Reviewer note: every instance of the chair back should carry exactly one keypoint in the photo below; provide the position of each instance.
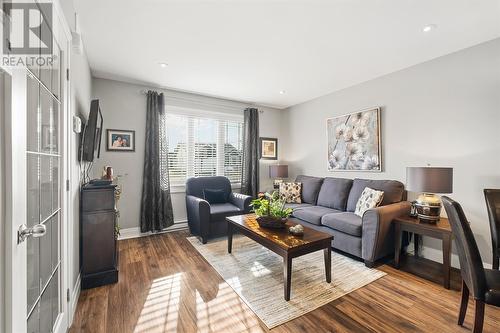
(493, 205)
(471, 265)
(196, 185)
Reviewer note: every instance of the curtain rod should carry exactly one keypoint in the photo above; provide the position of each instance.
(184, 99)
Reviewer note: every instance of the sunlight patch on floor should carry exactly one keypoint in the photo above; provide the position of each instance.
(226, 312)
(161, 308)
(258, 270)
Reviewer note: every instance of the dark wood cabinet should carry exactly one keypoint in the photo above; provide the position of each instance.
(98, 245)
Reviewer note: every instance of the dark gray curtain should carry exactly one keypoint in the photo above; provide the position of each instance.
(156, 204)
(250, 173)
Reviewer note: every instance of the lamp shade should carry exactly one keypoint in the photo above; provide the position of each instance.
(278, 171)
(429, 179)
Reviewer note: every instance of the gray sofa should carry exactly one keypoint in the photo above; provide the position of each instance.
(209, 220)
(328, 205)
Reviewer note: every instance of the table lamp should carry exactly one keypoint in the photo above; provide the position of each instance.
(278, 172)
(429, 181)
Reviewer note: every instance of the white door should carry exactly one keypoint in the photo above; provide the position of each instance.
(35, 279)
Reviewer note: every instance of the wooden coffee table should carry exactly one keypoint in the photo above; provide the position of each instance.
(282, 243)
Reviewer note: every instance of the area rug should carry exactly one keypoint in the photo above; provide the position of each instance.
(256, 275)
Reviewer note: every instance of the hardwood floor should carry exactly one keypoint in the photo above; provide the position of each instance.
(165, 285)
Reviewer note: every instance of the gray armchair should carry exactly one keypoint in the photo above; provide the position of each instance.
(208, 220)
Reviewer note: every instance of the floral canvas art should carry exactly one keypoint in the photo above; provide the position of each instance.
(354, 141)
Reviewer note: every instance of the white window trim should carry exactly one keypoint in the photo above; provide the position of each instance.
(182, 188)
(207, 114)
(230, 116)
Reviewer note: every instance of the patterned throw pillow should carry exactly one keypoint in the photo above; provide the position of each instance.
(370, 198)
(290, 192)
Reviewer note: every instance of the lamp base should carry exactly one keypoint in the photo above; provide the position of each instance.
(428, 208)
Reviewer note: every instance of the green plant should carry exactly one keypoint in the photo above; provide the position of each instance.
(271, 205)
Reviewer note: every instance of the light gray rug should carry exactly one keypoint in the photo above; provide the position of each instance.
(256, 275)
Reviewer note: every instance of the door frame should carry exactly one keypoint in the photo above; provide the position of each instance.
(5, 92)
(63, 33)
(15, 282)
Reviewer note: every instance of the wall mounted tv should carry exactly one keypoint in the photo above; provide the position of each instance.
(91, 144)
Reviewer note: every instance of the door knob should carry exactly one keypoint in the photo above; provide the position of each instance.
(36, 231)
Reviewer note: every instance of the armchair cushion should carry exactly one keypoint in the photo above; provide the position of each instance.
(220, 211)
(196, 185)
(215, 196)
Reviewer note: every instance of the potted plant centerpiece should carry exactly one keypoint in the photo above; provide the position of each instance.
(271, 211)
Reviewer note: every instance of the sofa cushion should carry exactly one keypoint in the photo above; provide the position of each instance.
(393, 191)
(369, 199)
(220, 211)
(313, 214)
(290, 192)
(297, 205)
(310, 188)
(334, 193)
(346, 222)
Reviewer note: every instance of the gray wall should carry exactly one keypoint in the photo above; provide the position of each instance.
(445, 112)
(124, 107)
(80, 85)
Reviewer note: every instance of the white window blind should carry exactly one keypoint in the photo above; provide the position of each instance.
(204, 146)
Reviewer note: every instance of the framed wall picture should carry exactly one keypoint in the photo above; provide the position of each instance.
(120, 140)
(268, 148)
(354, 141)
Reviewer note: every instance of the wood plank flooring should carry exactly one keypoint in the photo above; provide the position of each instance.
(165, 285)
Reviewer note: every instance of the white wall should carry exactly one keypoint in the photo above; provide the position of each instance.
(124, 107)
(445, 112)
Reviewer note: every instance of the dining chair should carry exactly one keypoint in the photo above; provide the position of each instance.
(483, 284)
(492, 197)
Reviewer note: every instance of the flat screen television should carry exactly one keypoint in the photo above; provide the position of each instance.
(91, 143)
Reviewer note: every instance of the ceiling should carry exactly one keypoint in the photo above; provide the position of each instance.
(251, 50)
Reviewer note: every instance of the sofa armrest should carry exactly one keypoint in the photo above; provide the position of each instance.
(378, 232)
(241, 201)
(198, 212)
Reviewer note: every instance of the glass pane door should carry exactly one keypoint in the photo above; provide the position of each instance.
(43, 204)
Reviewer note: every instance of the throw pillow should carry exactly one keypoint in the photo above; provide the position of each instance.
(215, 196)
(290, 192)
(370, 198)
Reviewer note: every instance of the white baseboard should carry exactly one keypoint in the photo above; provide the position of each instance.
(136, 232)
(75, 294)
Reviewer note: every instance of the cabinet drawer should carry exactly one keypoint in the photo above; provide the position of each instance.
(96, 200)
(98, 242)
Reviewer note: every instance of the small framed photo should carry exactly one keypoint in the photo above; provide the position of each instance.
(268, 148)
(120, 140)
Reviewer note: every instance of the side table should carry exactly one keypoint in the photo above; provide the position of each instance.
(440, 230)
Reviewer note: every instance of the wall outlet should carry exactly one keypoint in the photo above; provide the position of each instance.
(77, 124)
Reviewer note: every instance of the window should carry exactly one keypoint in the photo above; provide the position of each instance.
(204, 146)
